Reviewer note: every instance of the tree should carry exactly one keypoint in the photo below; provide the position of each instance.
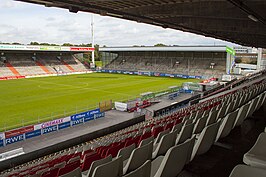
(34, 43)
(160, 45)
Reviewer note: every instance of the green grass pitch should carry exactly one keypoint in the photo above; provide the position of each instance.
(28, 101)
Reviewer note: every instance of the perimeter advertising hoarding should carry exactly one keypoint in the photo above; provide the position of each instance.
(49, 129)
(19, 131)
(51, 123)
(44, 48)
(149, 73)
(14, 139)
(33, 134)
(1, 143)
(84, 114)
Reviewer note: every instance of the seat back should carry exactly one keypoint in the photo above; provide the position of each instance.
(173, 161)
(206, 139)
(75, 173)
(109, 169)
(88, 161)
(213, 116)
(185, 133)
(242, 113)
(126, 151)
(146, 141)
(227, 124)
(165, 143)
(143, 171)
(177, 127)
(190, 150)
(98, 163)
(199, 125)
(52, 172)
(138, 157)
(160, 135)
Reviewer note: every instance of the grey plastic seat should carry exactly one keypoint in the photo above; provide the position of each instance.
(172, 163)
(185, 133)
(247, 171)
(229, 108)
(256, 156)
(227, 125)
(205, 140)
(177, 127)
(74, 173)
(146, 141)
(139, 156)
(165, 143)
(221, 112)
(109, 169)
(95, 164)
(213, 116)
(190, 149)
(252, 106)
(242, 113)
(160, 135)
(126, 151)
(143, 171)
(199, 125)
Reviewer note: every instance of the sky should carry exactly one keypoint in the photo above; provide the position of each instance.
(23, 23)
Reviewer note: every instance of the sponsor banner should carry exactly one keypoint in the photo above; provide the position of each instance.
(77, 121)
(2, 136)
(14, 139)
(105, 105)
(51, 123)
(81, 49)
(19, 131)
(33, 134)
(84, 114)
(1, 143)
(120, 106)
(49, 129)
(86, 119)
(63, 125)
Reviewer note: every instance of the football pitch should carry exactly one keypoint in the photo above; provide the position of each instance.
(29, 101)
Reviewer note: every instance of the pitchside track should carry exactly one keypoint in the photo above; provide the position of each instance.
(28, 101)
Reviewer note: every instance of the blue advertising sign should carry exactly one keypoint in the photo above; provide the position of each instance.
(86, 119)
(85, 114)
(77, 121)
(33, 133)
(49, 129)
(14, 139)
(63, 125)
(1, 143)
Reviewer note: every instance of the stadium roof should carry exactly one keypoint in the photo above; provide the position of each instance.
(168, 49)
(239, 21)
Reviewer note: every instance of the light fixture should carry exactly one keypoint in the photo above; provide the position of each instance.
(251, 17)
(114, 15)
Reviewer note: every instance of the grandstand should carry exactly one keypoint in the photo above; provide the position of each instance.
(205, 61)
(35, 60)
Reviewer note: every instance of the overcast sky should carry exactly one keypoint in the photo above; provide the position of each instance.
(23, 23)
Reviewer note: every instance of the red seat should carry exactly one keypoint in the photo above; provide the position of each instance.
(53, 172)
(88, 161)
(69, 167)
(156, 131)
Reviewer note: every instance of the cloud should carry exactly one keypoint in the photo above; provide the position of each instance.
(27, 22)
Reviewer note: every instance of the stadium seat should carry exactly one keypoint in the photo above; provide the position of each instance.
(213, 116)
(185, 133)
(256, 156)
(205, 139)
(109, 169)
(88, 161)
(138, 157)
(143, 171)
(125, 152)
(227, 124)
(247, 171)
(69, 167)
(52, 172)
(74, 173)
(172, 163)
(242, 113)
(165, 143)
(177, 127)
(160, 135)
(199, 125)
(146, 141)
(95, 164)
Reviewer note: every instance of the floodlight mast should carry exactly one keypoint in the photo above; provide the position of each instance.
(92, 35)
